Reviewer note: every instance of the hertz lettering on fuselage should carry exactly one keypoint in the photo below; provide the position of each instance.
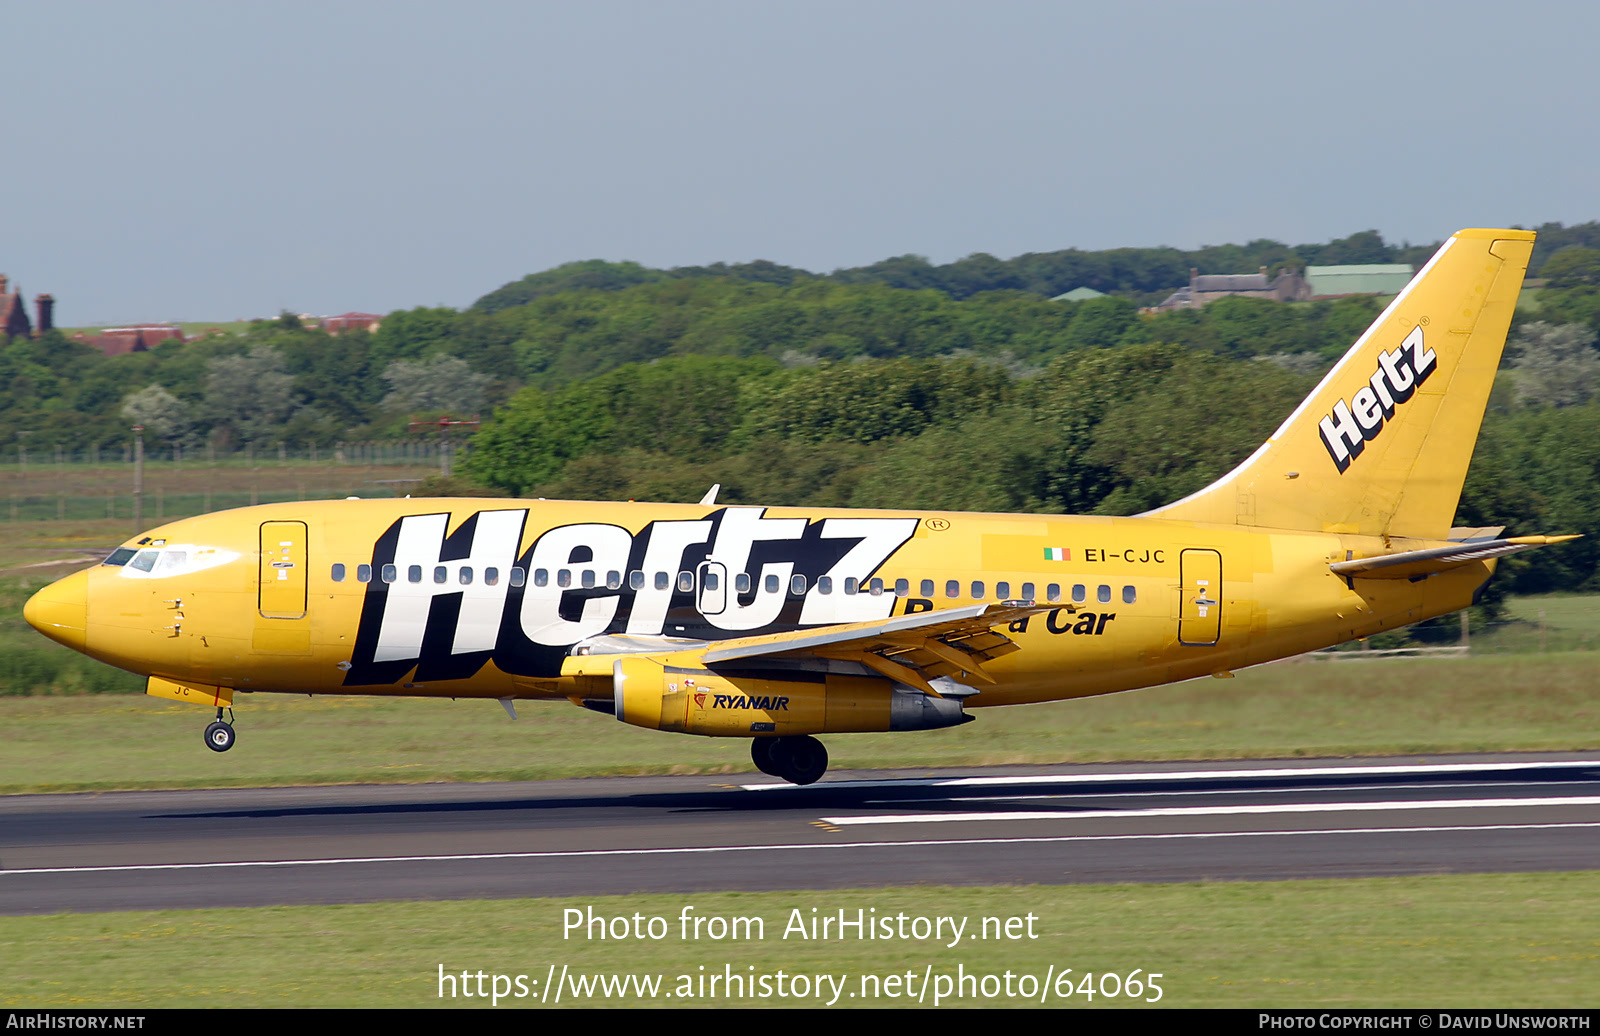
(420, 609)
(1348, 428)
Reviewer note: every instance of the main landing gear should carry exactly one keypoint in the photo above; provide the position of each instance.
(219, 735)
(798, 760)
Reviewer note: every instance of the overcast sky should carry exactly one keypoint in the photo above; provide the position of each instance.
(200, 161)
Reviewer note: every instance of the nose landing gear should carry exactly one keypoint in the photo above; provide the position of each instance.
(219, 735)
(798, 760)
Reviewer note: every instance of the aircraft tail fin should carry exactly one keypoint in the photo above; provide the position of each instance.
(1381, 445)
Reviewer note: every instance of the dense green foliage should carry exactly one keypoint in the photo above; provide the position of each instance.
(901, 384)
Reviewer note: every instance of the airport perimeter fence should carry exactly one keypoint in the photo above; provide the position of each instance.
(56, 484)
(24, 457)
(1531, 634)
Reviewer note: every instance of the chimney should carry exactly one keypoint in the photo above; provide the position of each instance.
(47, 310)
(4, 280)
(1194, 271)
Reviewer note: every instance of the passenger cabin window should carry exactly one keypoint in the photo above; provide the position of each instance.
(1053, 592)
(338, 573)
(875, 587)
(491, 577)
(663, 581)
(1103, 594)
(389, 574)
(1003, 591)
(772, 584)
(686, 582)
(588, 579)
(414, 574)
(564, 577)
(440, 574)
(518, 576)
(1080, 593)
(977, 589)
(465, 575)
(636, 580)
(741, 583)
(797, 585)
(927, 588)
(1029, 592)
(851, 584)
(541, 577)
(824, 584)
(1129, 595)
(902, 588)
(363, 573)
(952, 588)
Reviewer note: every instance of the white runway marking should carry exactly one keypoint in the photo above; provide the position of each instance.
(1209, 811)
(789, 847)
(1182, 775)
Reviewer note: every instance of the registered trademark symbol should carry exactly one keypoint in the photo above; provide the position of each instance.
(937, 524)
(1423, 321)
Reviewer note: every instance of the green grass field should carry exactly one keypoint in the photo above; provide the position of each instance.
(1306, 709)
(1457, 941)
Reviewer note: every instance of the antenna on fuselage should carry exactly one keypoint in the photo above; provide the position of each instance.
(711, 495)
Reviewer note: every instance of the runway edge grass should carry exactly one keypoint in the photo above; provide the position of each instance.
(1290, 710)
(1458, 941)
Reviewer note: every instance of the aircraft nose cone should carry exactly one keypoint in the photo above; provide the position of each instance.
(61, 610)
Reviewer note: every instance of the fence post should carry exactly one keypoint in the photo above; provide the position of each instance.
(138, 476)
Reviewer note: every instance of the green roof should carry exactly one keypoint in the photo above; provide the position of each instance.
(1365, 279)
(1078, 295)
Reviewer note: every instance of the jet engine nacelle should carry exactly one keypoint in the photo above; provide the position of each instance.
(653, 694)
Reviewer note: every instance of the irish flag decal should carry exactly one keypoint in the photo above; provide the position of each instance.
(1057, 554)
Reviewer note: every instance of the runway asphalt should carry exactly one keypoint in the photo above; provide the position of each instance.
(1052, 825)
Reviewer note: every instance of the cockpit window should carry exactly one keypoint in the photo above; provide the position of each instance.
(178, 560)
(171, 560)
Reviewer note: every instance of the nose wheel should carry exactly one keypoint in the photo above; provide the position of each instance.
(219, 735)
(798, 760)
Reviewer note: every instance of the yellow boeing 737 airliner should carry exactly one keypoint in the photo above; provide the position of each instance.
(776, 624)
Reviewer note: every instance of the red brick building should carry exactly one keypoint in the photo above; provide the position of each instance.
(351, 322)
(119, 341)
(14, 322)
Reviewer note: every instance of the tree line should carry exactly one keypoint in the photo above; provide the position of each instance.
(617, 381)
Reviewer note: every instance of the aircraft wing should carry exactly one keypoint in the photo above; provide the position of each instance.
(1410, 563)
(913, 649)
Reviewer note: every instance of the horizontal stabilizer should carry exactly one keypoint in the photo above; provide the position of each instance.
(1408, 564)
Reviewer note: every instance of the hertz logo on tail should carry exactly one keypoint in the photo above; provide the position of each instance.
(1351, 425)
